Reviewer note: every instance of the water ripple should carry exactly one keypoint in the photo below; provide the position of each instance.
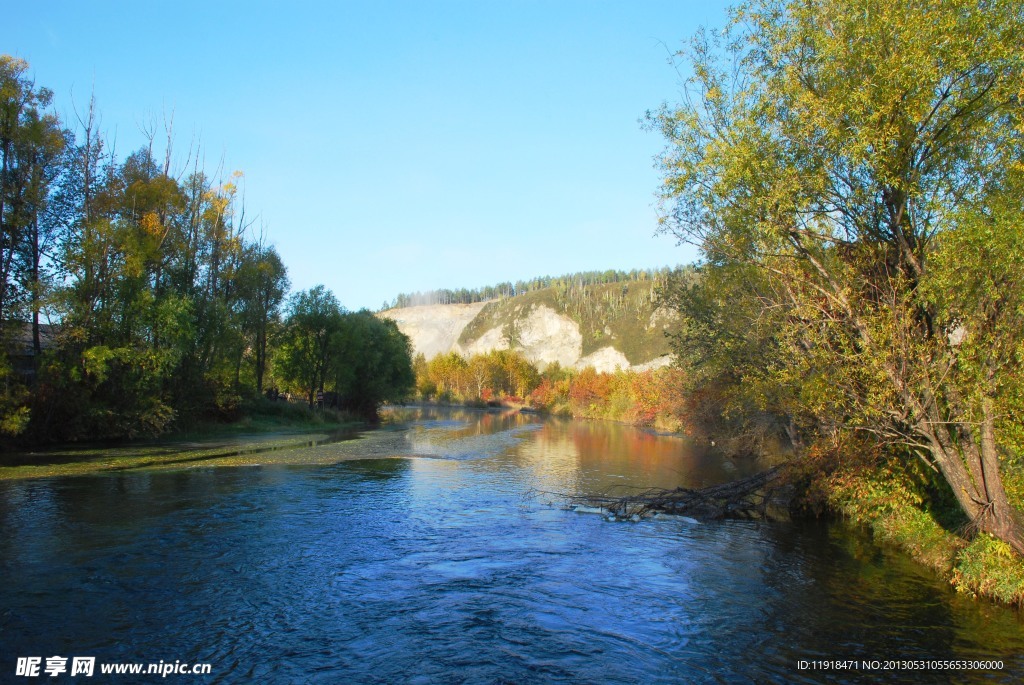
(442, 571)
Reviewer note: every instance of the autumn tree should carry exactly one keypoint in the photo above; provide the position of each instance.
(157, 292)
(860, 164)
(447, 374)
(737, 354)
(481, 374)
(21, 120)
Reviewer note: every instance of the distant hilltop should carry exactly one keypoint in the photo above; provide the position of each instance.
(606, 320)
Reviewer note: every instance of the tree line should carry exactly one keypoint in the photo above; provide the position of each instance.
(134, 296)
(566, 284)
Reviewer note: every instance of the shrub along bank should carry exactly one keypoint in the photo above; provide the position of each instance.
(903, 504)
(651, 398)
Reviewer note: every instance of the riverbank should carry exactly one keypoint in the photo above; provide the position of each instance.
(264, 427)
(265, 416)
(921, 522)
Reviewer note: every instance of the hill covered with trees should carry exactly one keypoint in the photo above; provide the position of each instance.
(605, 319)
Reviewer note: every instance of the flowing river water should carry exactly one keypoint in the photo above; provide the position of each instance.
(432, 550)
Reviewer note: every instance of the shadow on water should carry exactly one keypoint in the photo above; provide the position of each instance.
(56, 461)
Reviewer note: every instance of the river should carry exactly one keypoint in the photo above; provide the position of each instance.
(436, 550)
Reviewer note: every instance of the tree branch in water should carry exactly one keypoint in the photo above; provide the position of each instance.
(745, 498)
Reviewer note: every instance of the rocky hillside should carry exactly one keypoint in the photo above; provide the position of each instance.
(606, 326)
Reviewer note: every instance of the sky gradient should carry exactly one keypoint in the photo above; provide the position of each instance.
(392, 147)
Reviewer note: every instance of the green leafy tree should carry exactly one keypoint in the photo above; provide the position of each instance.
(262, 282)
(120, 338)
(158, 293)
(372, 363)
(737, 355)
(308, 340)
(20, 143)
(850, 156)
(32, 144)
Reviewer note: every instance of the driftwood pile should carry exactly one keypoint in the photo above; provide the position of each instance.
(745, 498)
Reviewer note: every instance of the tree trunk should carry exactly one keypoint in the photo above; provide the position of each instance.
(998, 517)
(980, 494)
(37, 345)
(261, 351)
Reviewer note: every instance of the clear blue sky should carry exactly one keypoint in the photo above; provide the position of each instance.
(395, 146)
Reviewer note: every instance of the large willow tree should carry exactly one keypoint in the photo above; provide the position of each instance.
(861, 162)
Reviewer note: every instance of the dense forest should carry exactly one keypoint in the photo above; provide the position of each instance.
(136, 297)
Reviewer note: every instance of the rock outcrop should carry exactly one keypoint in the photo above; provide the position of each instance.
(435, 328)
(543, 335)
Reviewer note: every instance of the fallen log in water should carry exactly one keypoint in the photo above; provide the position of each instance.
(745, 498)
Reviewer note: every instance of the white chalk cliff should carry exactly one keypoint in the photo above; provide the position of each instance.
(542, 335)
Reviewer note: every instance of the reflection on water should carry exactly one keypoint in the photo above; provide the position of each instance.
(441, 567)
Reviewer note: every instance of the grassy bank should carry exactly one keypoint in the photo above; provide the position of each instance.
(262, 427)
(902, 505)
(264, 416)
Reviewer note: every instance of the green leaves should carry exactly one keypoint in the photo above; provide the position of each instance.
(851, 172)
(365, 360)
